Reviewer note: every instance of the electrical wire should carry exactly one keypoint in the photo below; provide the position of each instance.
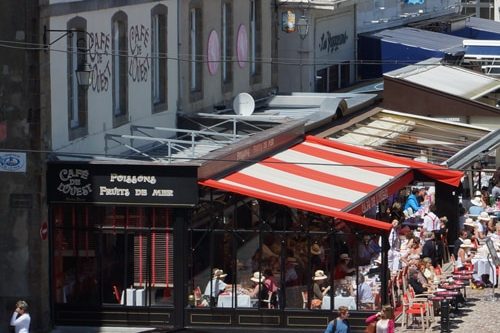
(203, 58)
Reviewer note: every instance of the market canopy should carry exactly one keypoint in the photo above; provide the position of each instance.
(330, 178)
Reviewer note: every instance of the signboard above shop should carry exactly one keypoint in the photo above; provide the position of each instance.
(158, 185)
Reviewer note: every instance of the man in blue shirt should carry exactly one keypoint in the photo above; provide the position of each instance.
(340, 324)
(413, 201)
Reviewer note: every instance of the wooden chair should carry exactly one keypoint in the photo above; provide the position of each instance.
(423, 299)
(304, 299)
(268, 300)
(411, 310)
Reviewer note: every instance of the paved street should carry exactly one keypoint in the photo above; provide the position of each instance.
(481, 315)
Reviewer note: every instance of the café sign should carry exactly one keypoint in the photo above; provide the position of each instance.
(122, 184)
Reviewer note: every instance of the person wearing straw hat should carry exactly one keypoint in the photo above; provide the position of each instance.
(481, 224)
(215, 286)
(259, 289)
(477, 204)
(464, 255)
(320, 287)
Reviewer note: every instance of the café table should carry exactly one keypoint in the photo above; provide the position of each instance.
(226, 300)
(348, 301)
(484, 266)
(444, 310)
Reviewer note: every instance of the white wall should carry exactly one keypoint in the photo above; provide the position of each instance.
(100, 119)
(297, 56)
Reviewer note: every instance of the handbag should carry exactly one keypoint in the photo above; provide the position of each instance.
(371, 327)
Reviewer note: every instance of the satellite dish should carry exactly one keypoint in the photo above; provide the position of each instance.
(243, 104)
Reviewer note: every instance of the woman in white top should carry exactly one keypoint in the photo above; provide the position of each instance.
(20, 318)
(463, 255)
(384, 320)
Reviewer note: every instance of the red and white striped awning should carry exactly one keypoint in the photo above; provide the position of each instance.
(325, 177)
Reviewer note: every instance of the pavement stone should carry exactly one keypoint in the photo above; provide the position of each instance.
(480, 315)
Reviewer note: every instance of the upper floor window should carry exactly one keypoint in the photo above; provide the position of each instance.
(120, 61)
(77, 95)
(255, 39)
(159, 72)
(227, 44)
(195, 51)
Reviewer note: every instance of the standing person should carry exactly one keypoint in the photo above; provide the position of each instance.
(394, 254)
(20, 318)
(341, 323)
(431, 221)
(463, 235)
(384, 320)
(430, 249)
(215, 286)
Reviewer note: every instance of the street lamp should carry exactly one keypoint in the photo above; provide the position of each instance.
(302, 26)
(83, 70)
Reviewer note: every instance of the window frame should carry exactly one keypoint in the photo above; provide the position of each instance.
(119, 41)
(159, 59)
(195, 51)
(227, 46)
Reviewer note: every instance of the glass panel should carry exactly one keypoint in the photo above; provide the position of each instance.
(295, 279)
(75, 273)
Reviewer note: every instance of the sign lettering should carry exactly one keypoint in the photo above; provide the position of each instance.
(331, 43)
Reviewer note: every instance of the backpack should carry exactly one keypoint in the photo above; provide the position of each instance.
(334, 328)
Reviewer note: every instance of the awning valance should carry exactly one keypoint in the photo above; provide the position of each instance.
(324, 177)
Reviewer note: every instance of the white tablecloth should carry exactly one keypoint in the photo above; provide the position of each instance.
(348, 301)
(226, 301)
(483, 266)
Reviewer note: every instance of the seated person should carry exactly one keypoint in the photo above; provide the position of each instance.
(272, 285)
(429, 271)
(320, 285)
(343, 268)
(215, 286)
(364, 293)
(477, 204)
(414, 282)
(344, 288)
(259, 289)
(413, 201)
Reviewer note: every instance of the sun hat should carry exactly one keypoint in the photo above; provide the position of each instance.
(469, 222)
(319, 275)
(315, 249)
(483, 216)
(476, 201)
(344, 256)
(258, 277)
(219, 273)
(466, 243)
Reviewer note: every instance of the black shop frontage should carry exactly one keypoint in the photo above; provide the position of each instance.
(138, 244)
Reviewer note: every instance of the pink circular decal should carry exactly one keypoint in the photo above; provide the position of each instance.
(242, 46)
(213, 52)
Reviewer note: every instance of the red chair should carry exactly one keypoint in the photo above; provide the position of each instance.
(412, 310)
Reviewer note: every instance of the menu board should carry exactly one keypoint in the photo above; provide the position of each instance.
(493, 252)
